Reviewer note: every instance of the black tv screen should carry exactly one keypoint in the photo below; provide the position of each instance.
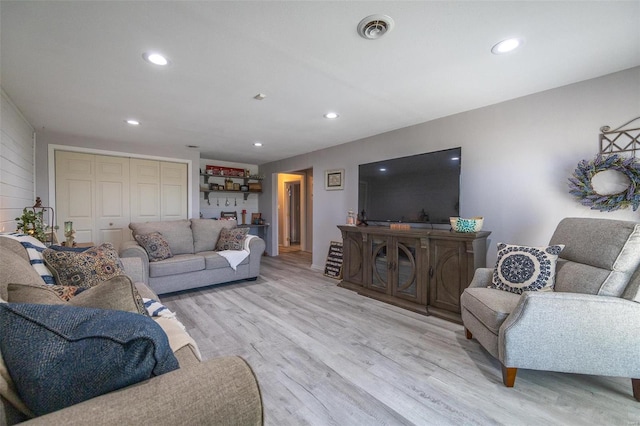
(423, 188)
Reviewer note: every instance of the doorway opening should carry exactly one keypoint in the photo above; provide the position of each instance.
(295, 212)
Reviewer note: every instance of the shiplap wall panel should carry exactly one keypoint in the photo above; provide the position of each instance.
(17, 169)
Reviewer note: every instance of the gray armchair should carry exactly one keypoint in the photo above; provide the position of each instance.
(590, 324)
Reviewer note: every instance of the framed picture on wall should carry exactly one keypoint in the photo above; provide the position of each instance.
(334, 179)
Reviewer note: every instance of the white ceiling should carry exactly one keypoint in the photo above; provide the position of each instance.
(76, 67)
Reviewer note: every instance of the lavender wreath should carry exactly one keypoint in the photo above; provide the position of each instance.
(580, 184)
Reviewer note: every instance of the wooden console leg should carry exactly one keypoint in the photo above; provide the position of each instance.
(635, 384)
(467, 333)
(509, 376)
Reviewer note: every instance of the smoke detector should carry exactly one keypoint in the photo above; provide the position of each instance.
(375, 26)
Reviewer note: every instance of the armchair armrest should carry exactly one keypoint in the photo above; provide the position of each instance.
(219, 391)
(573, 333)
(482, 277)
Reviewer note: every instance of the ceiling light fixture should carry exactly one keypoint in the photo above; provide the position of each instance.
(132, 122)
(331, 115)
(375, 26)
(506, 46)
(257, 144)
(155, 58)
(259, 96)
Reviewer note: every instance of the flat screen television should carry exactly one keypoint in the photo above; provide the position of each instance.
(418, 189)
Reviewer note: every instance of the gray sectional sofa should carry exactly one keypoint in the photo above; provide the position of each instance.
(195, 262)
(216, 391)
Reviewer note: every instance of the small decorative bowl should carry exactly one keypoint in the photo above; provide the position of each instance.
(473, 224)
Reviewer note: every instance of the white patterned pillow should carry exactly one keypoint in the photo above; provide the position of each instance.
(522, 268)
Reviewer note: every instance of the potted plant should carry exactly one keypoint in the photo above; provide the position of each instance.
(32, 223)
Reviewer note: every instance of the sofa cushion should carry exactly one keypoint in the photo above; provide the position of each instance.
(232, 239)
(155, 245)
(522, 268)
(177, 233)
(33, 249)
(74, 354)
(14, 269)
(213, 260)
(179, 264)
(574, 277)
(118, 293)
(84, 269)
(490, 306)
(612, 246)
(207, 231)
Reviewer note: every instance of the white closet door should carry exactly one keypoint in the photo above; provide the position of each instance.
(102, 194)
(173, 191)
(112, 215)
(75, 189)
(145, 190)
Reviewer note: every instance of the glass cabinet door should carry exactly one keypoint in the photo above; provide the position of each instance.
(380, 264)
(405, 270)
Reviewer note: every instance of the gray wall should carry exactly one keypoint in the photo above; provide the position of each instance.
(516, 159)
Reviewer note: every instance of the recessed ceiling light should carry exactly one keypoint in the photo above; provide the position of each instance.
(155, 58)
(257, 144)
(331, 115)
(382, 169)
(505, 46)
(455, 158)
(132, 122)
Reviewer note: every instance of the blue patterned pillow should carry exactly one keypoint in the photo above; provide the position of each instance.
(60, 355)
(522, 268)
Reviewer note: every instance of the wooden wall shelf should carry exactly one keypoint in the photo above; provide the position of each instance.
(246, 180)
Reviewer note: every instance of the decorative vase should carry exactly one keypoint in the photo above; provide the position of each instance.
(69, 233)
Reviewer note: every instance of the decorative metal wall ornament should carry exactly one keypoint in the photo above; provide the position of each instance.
(581, 185)
(620, 140)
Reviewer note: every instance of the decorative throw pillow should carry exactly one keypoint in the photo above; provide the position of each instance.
(119, 293)
(231, 239)
(522, 268)
(74, 354)
(155, 245)
(85, 269)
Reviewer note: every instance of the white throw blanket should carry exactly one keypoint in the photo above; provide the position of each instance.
(234, 257)
(175, 330)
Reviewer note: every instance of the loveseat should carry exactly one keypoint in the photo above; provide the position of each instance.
(217, 391)
(194, 261)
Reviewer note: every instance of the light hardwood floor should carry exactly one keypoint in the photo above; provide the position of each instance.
(324, 355)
